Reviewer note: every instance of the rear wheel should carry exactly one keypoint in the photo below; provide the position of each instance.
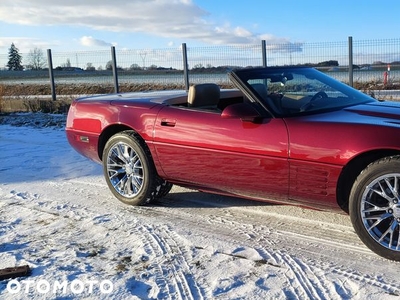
(129, 170)
(375, 207)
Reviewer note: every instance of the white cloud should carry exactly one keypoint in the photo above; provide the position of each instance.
(89, 41)
(174, 19)
(239, 31)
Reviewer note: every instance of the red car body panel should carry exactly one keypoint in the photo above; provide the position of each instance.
(330, 142)
(296, 159)
(239, 151)
(89, 117)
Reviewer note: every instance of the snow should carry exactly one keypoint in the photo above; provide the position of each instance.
(58, 217)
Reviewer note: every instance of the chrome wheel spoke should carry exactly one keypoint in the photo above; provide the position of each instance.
(392, 188)
(382, 192)
(115, 170)
(374, 208)
(128, 186)
(119, 185)
(390, 232)
(119, 151)
(136, 182)
(378, 219)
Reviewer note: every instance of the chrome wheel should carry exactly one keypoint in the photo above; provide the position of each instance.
(124, 170)
(380, 210)
(129, 169)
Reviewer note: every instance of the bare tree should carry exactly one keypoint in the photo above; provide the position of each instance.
(90, 67)
(67, 64)
(135, 67)
(36, 59)
(109, 65)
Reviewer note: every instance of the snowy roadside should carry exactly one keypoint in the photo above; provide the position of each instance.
(58, 217)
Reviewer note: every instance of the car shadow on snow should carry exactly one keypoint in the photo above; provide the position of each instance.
(191, 199)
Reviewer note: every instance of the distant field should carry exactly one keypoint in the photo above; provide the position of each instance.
(37, 97)
(80, 88)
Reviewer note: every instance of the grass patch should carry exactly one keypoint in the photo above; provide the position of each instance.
(1, 97)
(31, 104)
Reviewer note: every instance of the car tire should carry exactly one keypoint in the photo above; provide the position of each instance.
(374, 207)
(129, 169)
(163, 188)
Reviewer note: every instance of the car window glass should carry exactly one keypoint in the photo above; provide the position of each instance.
(301, 90)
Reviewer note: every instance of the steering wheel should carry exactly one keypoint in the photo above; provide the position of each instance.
(309, 104)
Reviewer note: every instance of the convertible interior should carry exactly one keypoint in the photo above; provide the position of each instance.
(285, 94)
(209, 97)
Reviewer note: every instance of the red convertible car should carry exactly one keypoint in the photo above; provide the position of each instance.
(287, 135)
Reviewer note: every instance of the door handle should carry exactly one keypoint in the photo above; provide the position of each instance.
(168, 122)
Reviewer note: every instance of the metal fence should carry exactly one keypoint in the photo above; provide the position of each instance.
(350, 61)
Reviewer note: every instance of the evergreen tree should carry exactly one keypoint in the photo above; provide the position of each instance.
(14, 59)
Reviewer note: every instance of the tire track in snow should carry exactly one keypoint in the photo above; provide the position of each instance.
(267, 240)
(392, 289)
(305, 284)
(167, 253)
(267, 235)
(163, 242)
(231, 225)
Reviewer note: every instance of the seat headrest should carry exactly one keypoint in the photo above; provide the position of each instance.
(205, 94)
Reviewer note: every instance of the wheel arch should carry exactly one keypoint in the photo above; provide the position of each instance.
(351, 171)
(109, 132)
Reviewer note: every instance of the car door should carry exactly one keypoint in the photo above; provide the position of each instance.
(200, 148)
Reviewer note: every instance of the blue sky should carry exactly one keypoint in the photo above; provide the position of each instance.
(85, 25)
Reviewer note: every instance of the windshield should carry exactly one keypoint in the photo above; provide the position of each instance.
(292, 91)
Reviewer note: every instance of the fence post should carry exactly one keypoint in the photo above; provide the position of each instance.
(114, 68)
(185, 66)
(350, 61)
(264, 53)
(51, 75)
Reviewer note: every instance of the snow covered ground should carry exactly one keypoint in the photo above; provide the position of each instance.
(58, 217)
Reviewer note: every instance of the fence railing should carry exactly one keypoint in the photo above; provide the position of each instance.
(368, 61)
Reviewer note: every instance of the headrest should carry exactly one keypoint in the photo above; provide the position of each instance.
(205, 94)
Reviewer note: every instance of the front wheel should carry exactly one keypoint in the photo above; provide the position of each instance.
(129, 169)
(375, 207)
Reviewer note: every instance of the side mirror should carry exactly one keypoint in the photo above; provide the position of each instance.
(242, 111)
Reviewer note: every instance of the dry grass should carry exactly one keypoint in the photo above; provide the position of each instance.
(1, 98)
(36, 97)
(12, 90)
